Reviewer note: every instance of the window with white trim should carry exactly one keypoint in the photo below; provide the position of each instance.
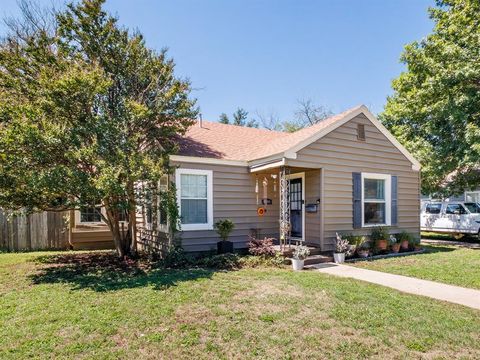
(376, 199)
(195, 197)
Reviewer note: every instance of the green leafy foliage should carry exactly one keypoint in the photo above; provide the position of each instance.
(224, 228)
(87, 112)
(240, 118)
(379, 233)
(434, 108)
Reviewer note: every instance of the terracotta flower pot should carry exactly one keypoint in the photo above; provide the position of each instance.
(381, 244)
(396, 248)
(404, 245)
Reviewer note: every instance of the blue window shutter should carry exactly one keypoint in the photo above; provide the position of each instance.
(394, 200)
(357, 200)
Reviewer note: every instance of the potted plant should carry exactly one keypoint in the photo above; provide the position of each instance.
(224, 228)
(298, 257)
(394, 244)
(354, 241)
(363, 250)
(341, 247)
(404, 238)
(379, 237)
(415, 243)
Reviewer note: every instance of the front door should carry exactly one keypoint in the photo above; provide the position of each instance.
(296, 207)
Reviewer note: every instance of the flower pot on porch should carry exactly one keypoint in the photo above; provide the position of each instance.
(224, 247)
(395, 248)
(339, 258)
(381, 245)
(298, 264)
(404, 245)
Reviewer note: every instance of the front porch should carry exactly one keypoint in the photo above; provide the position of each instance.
(293, 195)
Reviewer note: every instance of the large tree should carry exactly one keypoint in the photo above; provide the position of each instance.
(87, 113)
(435, 108)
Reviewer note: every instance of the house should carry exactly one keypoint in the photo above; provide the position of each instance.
(345, 174)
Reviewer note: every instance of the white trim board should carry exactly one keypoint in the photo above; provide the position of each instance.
(300, 175)
(202, 160)
(388, 197)
(209, 173)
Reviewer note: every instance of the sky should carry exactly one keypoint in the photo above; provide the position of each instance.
(265, 55)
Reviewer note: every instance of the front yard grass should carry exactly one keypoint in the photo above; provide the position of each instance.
(69, 305)
(443, 263)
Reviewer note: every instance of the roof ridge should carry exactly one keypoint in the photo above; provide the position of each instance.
(241, 126)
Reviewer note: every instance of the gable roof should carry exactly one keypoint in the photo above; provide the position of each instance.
(237, 143)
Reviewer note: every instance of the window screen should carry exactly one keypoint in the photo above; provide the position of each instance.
(194, 201)
(374, 201)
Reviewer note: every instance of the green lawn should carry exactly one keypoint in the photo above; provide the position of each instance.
(448, 264)
(65, 306)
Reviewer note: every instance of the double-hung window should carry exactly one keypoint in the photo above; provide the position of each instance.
(195, 197)
(376, 199)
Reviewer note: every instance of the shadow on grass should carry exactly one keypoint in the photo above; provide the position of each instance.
(104, 272)
(430, 249)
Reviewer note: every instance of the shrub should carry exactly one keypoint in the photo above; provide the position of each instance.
(301, 252)
(177, 258)
(261, 247)
(224, 228)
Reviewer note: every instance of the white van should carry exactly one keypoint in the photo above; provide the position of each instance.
(455, 217)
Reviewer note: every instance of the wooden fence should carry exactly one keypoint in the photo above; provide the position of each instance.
(40, 231)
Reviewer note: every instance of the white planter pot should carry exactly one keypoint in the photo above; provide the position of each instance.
(339, 257)
(298, 264)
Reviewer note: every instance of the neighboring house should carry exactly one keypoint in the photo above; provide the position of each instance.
(344, 174)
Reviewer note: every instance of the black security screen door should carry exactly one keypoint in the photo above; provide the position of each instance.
(296, 207)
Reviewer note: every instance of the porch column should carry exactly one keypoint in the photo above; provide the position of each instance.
(284, 206)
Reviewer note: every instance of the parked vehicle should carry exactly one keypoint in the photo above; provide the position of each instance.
(456, 217)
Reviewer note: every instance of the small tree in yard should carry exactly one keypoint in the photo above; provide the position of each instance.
(87, 113)
(224, 228)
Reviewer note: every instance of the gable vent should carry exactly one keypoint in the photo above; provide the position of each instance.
(361, 132)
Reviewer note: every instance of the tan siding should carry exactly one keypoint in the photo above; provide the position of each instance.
(339, 154)
(89, 239)
(234, 198)
(312, 194)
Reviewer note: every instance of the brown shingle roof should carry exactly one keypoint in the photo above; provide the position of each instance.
(230, 142)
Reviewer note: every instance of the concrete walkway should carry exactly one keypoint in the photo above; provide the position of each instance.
(434, 290)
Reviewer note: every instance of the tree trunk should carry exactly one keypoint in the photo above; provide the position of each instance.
(121, 239)
(132, 219)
